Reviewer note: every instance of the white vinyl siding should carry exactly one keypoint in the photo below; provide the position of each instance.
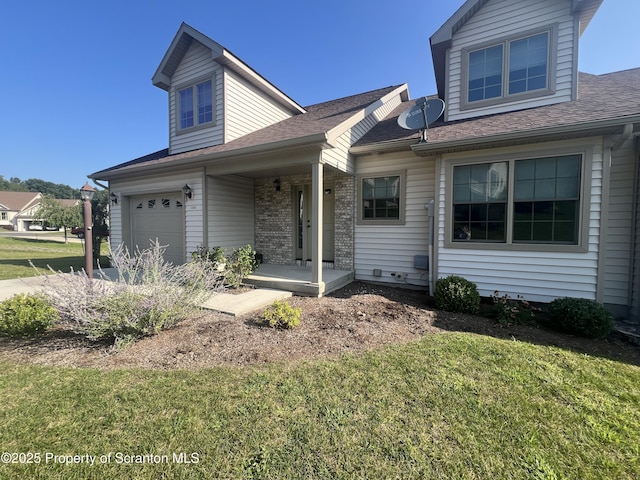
(230, 212)
(391, 248)
(339, 156)
(540, 273)
(635, 296)
(501, 19)
(196, 66)
(617, 274)
(120, 226)
(247, 109)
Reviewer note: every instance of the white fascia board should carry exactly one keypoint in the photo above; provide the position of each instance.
(590, 128)
(335, 132)
(162, 80)
(253, 77)
(318, 141)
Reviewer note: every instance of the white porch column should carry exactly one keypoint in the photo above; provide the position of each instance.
(317, 191)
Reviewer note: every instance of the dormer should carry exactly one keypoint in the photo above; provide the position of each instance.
(214, 97)
(495, 56)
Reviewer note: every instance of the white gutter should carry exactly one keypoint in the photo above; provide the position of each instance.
(428, 148)
(192, 159)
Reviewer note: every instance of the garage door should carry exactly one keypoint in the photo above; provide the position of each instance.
(161, 216)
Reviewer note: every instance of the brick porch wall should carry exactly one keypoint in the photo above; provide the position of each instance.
(274, 234)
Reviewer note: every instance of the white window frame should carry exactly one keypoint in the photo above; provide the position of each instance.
(505, 97)
(193, 87)
(402, 200)
(582, 244)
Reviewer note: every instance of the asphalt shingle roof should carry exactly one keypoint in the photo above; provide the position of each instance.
(318, 119)
(600, 97)
(16, 200)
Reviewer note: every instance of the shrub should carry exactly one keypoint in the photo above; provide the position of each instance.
(456, 294)
(235, 267)
(149, 295)
(282, 315)
(508, 310)
(580, 316)
(26, 315)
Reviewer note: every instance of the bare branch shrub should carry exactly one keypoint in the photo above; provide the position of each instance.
(149, 295)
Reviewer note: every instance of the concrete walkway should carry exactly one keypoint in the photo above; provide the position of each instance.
(242, 303)
(231, 304)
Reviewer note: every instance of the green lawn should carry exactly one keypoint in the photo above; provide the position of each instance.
(15, 253)
(452, 406)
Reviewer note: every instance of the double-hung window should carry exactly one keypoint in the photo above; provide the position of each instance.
(381, 199)
(195, 105)
(514, 66)
(524, 201)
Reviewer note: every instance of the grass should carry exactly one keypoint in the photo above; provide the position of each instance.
(15, 253)
(452, 405)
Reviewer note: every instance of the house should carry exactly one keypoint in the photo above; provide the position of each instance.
(527, 185)
(17, 209)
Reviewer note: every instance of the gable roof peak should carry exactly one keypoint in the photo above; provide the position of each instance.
(440, 41)
(181, 43)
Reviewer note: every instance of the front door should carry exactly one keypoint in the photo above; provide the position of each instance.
(302, 215)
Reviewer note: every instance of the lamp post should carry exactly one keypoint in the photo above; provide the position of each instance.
(86, 193)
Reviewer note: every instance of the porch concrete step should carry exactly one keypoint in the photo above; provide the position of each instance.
(244, 302)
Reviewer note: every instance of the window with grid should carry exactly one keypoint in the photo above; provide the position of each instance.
(381, 198)
(480, 202)
(518, 201)
(546, 200)
(195, 105)
(524, 62)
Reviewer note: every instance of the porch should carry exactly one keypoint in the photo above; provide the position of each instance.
(297, 279)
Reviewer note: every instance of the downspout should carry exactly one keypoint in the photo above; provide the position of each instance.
(97, 183)
(608, 151)
(624, 137)
(431, 214)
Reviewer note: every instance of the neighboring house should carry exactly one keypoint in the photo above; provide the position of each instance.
(17, 209)
(528, 185)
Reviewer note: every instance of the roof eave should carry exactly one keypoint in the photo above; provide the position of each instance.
(384, 147)
(599, 127)
(318, 141)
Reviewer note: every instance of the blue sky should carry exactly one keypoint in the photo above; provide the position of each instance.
(75, 76)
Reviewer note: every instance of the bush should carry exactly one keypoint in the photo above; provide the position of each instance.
(149, 295)
(26, 315)
(235, 267)
(282, 315)
(456, 294)
(580, 316)
(508, 311)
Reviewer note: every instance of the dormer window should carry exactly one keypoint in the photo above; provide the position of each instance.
(510, 69)
(195, 105)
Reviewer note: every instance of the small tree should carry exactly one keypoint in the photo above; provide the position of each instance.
(54, 213)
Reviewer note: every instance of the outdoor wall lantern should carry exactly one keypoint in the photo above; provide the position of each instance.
(276, 183)
(114, 198)
(187, 191)
(86, 194)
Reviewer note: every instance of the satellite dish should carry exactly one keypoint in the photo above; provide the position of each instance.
(421, 115)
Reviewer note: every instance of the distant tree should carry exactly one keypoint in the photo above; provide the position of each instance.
(56, 190)
(53, 213)
(11, 185)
